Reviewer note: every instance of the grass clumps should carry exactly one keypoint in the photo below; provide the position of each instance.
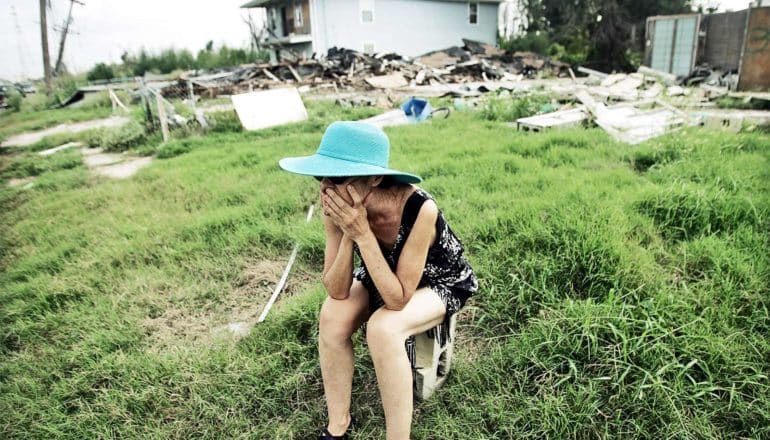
(27, 165)
(624, 290)
(682, 211)
(510, 108)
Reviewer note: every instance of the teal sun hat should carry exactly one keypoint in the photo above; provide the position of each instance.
(349, 148)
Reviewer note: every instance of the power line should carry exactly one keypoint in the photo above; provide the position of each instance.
(19, 42)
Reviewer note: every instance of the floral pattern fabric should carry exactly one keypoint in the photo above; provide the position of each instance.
(447, 271)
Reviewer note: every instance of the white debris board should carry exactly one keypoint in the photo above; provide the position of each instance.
(269, 108)
(558, 119)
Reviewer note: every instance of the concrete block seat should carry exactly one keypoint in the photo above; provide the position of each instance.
(432, 362)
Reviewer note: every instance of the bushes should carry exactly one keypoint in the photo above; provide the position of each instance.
(124, 137)
(100, 72)
(226, 121)
(169, 60)
(503, 108)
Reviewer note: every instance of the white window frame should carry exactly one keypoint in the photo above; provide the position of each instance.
(298, 19)
(363, 6)
(472, 14)
(273, 19)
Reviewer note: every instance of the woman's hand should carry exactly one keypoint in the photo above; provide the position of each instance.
(352, 219)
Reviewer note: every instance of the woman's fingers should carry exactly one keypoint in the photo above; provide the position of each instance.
(354, 195)
(335, 211)
(336, 199)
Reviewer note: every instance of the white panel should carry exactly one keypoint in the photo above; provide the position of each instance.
(269, 108)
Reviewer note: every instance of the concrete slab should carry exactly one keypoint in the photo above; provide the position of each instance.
(24, 139)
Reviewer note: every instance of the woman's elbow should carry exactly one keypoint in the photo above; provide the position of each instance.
(400, 303)
(335, 290)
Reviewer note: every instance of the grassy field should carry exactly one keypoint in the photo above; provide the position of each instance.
(624, 290)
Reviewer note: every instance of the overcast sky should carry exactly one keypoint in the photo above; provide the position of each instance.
(107, 28)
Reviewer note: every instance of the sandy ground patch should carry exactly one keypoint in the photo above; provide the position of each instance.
(230, 319)
(25, 183)
(113, 165)
(124, 169)
(24, 139)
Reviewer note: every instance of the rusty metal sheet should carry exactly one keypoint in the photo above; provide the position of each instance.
(755, 65)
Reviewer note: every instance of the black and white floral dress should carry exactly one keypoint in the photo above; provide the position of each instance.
(446, 272)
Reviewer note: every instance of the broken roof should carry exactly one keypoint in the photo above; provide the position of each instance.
(260, 3)
(266, 3)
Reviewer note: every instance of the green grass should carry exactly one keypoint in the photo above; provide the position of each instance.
(624, 290)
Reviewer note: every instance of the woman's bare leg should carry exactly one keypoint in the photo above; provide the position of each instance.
(338, 321)
(386, 333)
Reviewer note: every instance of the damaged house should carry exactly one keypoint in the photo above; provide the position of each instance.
(407, 27)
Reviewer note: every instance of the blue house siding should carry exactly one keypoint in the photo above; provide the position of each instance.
(407, 27)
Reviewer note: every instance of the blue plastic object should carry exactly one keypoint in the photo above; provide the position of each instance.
(416, 109)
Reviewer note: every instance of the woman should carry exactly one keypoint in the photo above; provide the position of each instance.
(413, 274)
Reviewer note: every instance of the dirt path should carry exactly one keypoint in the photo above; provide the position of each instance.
(24, 139)
(116, 166)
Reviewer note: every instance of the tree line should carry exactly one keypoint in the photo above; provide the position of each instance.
(168, 60)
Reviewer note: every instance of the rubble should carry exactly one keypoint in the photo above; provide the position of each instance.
(639, 106)
(345, 68)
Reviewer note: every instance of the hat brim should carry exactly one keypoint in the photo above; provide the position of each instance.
(325, 166)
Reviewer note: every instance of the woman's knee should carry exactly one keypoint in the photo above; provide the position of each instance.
(339, 319)
(384, 328)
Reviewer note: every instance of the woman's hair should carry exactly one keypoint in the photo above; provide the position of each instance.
(388, 182)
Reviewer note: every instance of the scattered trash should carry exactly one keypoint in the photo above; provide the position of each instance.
(558, 119)
(285, 274)
(411, 112)
(268, 108)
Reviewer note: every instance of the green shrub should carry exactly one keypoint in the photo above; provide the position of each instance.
(14, 101)
(174, 148)
(511, 108)
(124, 137)
(226, 121)
(100, 71)
(537, 42)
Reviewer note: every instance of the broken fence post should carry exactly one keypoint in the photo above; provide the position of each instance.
(162, 116)
(285, 274)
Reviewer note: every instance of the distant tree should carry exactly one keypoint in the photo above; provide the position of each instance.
(601, 29)
(100, 72)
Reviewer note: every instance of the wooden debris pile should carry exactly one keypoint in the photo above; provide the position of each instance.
(346, 68)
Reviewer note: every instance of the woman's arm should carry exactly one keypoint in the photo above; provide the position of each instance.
(338, 261)
(397, 288)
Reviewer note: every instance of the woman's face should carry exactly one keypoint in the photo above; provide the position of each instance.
(361, 184)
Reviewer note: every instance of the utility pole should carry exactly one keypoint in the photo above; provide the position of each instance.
(46, 58)
(65, 30)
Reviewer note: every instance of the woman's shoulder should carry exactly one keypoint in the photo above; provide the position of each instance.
(422, 193)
